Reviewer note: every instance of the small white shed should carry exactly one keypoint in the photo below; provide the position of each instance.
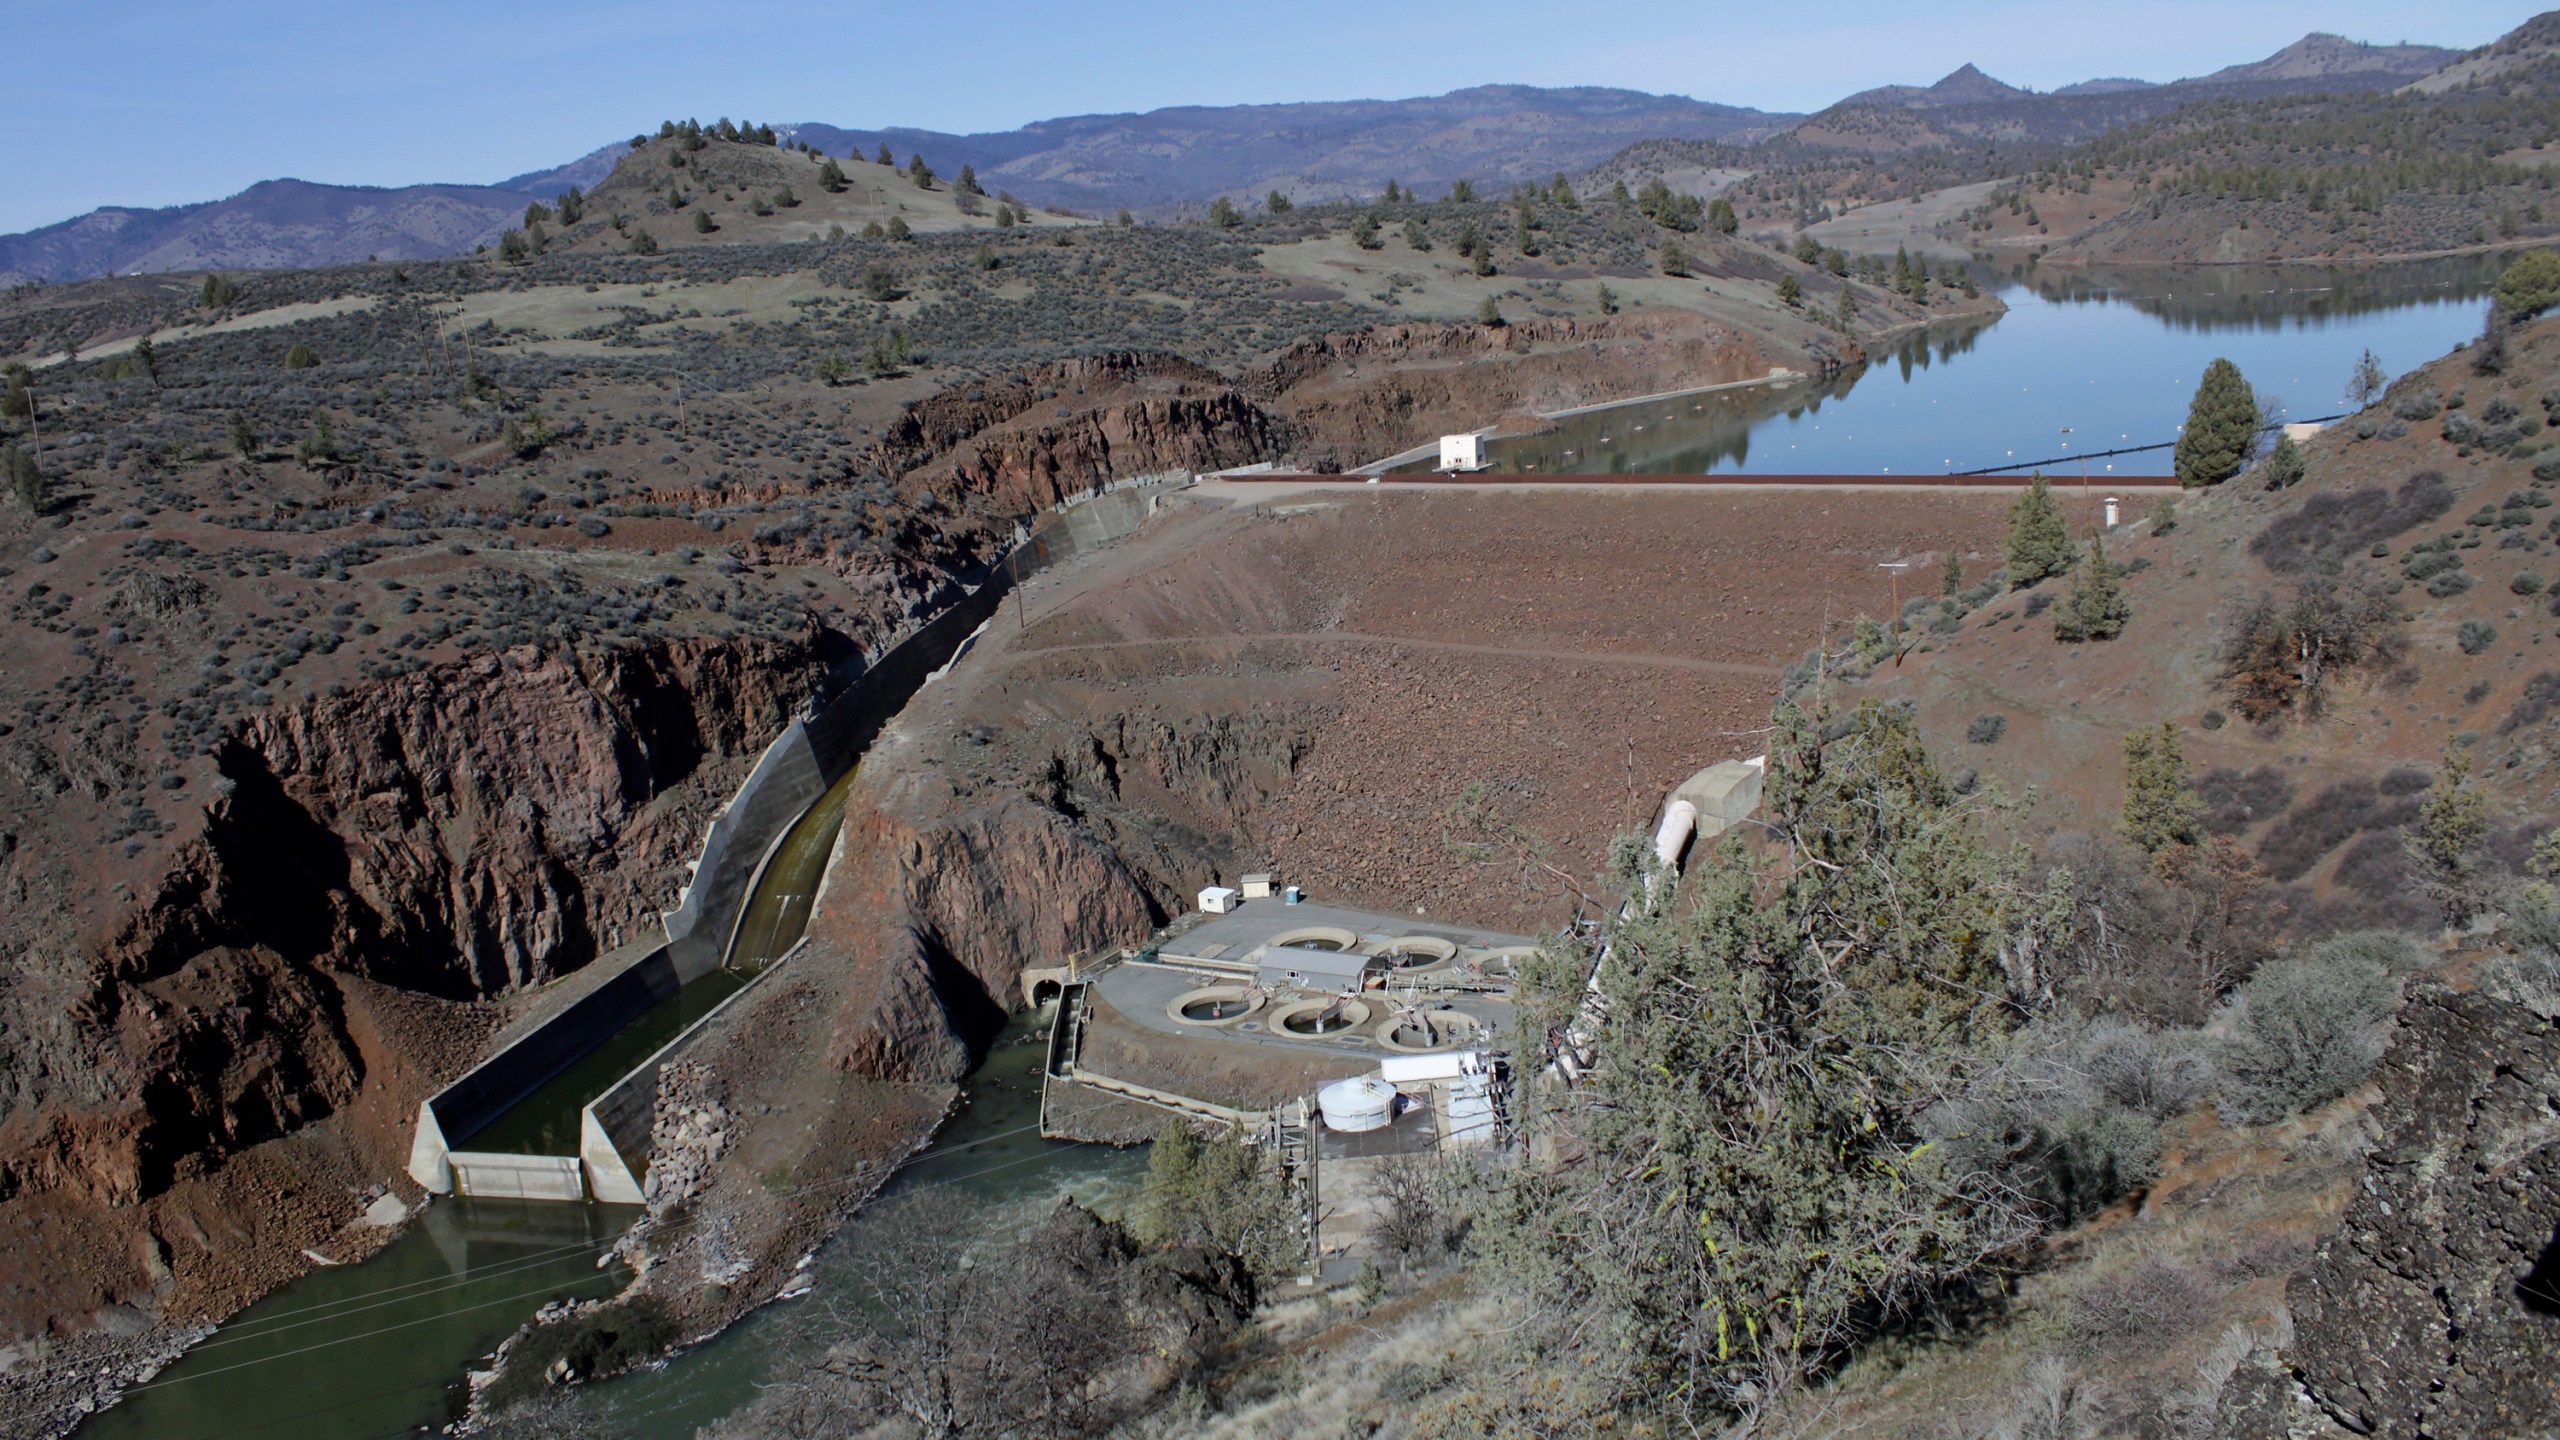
(1261, 885)
(1461, 452)
(1219, 899)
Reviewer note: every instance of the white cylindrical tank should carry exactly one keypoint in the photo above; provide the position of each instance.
(1679, 822)
(1363, 1102)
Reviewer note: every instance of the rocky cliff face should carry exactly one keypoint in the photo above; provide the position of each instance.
(458, 832)
(2435, 1308)
(940, 899)
(1033, 439)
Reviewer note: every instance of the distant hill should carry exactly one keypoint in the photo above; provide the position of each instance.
(1492, 134)
(1971, 108)
(289, 224)
(1967, 86)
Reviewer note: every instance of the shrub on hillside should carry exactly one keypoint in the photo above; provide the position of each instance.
(1987, 729)
(2329, 525)
(2340, 812)
(2308, 1029)
(2475, 636)
(2236, 799)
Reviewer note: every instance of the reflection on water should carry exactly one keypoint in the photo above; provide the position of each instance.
(2083, 361)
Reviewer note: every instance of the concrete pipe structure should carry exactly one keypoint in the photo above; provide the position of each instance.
(1418, 953)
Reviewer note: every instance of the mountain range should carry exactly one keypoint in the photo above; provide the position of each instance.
(1164, 161)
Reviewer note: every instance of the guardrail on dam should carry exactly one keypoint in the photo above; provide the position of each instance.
(794, 771)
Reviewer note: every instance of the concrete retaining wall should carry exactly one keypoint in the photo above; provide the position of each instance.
(792, 773)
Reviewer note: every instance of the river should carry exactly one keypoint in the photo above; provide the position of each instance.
(379, 1348)
(2082, 361)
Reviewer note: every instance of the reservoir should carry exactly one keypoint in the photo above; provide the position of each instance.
(2081, 362)
(380, 1348)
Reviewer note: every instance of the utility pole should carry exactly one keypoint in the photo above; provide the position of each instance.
(1894, 569)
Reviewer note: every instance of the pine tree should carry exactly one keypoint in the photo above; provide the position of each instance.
(1950, 574)
(884, 157)
(218, 293)
(1279, 204)
(2283, 467)
(2039, 543)
(898, 228)
(1462, 192)
(920, 172)
(1223, 214)
(26, 483)
(2161, 806)
(2095, 607)
(1608, 301)
(2222, 427)
(1489, 313)
(2452, 824)
(243, 436)
(702, 222)
(831, 178)
(300, 357)
(1721, 217)
(1392, 195)
(1675, 261)
(1415, 237)
(2368, 381)
(968, 181)
(147, 355)
(1790, 293)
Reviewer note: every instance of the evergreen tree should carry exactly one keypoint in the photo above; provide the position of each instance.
(2283, 468)
(2161, 806)
(702, 222)
(1392, 195)
(1279, 204)
(1004, 217)
(1562, 193)
(1608, 300)
(300, 357)
(18, 398)
(2222, 428)
(883, 158)
(2530, 284)
(1721, 217)
(643, 243)
(1364, 232)
(1415, 237)
(1124, 219)
(1489, 313)
(1761, 1173)
(1808, 250)
(535, 214)
(1950, 574)
(2453, 822)
(968, 181)
(218, 293)
(147, 355)
(920, 172)
(26, 483)
(1618, 192)
(831, 178)
(1789, 291)
(1223, 213)
(2095, 607)
(2039, 543)
(571, 204)
(1675, 261)
(1462, 192)
(898, 228)
(1848, 307)
(243, 436)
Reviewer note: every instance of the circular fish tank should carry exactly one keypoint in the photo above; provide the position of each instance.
(1501, 962)
(1316, 937)
(1419, 952)
(1213, 1005)
(1430, 1030)
(1307, 1020)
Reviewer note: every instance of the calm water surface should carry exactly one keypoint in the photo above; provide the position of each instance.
(2113, 359)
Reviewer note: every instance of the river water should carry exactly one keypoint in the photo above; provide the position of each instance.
(2081, 362)
(379, 1348)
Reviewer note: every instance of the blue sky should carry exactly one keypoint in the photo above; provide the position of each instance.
(157, 103)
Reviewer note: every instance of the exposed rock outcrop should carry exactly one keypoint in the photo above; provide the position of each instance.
(2435, 1308)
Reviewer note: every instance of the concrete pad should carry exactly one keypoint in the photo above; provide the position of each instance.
(386, 1212)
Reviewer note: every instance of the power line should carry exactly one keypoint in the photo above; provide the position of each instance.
(158, 1384)
(2124, 450)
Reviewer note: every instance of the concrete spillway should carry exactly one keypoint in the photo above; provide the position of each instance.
(562, 1113)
